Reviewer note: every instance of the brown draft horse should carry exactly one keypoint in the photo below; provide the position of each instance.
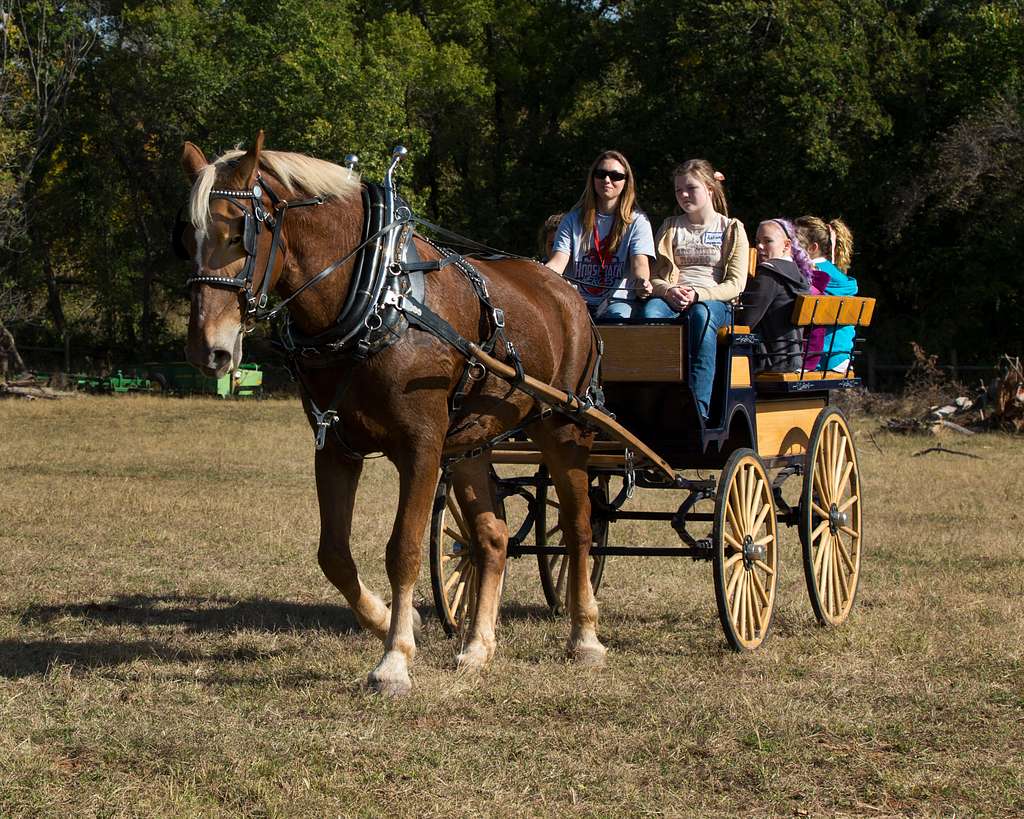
(396, 401)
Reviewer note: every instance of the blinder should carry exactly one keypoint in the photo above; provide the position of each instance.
(253, 219)
(249, 234)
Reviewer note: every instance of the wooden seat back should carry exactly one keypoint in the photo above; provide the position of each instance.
(829, 311)
(652, 352)
(637, 352)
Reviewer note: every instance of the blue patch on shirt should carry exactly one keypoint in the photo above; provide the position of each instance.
(712, 238)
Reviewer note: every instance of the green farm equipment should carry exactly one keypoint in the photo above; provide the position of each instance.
(182, 378)
(118, 383)
(177, 377)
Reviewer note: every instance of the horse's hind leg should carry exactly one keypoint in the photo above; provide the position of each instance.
(336, 480)
(566, 449)
(474, 491)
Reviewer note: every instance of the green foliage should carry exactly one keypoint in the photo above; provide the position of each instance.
(872, 110)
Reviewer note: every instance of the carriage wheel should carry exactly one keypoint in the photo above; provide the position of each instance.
(452, 571)
(745, 557)
(554, 568)
(830, 519)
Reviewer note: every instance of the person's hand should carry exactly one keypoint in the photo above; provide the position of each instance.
(679, 298)
(643, 288)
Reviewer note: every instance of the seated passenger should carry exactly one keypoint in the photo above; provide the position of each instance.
(701, 266)
(783, 272)
(546, 235)
(830, 246)
(608, 241)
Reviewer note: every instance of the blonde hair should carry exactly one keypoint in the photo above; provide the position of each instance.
(313, 176)
(834, 238)
(703, 170)
(625, 210)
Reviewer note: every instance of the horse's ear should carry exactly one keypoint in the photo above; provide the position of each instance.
(250, 163)
(193, 160)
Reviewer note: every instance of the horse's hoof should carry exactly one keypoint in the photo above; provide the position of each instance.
(389, 686)
(472, 660)
(417, 625)
(590, 655)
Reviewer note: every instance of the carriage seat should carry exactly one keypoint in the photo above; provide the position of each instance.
(650, 352)
(833, 311)
(653, 351)
(822, 311)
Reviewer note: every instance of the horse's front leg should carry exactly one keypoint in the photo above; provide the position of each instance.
(336, 480)
(417, 475)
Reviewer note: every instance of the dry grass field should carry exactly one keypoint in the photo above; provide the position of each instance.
(169, 647)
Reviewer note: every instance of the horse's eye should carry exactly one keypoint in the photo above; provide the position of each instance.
(235, 240)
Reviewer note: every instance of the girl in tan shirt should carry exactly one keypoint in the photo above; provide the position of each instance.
(701, 265)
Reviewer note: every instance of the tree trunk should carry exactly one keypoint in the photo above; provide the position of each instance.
(10, 359)
(56, 309)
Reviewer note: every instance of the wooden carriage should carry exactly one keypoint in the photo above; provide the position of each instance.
(764, 428)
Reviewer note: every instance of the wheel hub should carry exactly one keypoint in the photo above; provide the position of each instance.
(752, 551)
(837, 519)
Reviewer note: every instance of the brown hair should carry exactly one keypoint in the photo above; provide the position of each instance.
(702, 169)
(814, 230)
(625, 210)
(550, 226)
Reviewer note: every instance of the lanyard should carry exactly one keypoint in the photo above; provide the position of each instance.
(597, 247)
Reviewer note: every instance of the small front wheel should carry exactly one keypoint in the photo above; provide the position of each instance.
(745, 556)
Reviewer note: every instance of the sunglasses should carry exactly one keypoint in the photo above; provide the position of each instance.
(615, 176)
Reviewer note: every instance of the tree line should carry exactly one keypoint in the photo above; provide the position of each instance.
(904, 117)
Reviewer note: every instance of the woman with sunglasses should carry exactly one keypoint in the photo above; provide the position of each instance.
(701, 267)
(608, 241)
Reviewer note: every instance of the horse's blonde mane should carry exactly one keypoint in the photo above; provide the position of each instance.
(315, 177)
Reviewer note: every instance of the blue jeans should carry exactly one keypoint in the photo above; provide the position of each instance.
(702, 322)
(618, 309)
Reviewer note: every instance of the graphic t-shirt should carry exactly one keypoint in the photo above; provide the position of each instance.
(595, 280)
(698, 252)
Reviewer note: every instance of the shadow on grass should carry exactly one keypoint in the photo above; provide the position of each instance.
(225, 615)
(527, 611)
(28, 658)
(199, 614)
(195, 615)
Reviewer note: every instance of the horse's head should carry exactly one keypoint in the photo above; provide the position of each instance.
(228, 248)
(237, 244)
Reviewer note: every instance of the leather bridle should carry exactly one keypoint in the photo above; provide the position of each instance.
(256, 217)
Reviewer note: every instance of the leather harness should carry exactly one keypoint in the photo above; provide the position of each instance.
(386, 296)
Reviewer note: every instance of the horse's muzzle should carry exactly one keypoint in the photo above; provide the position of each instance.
(215, 363)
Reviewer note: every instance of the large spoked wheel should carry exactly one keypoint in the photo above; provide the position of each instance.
(830, 519)
(745, 557)
(452, 571)
(554, 569)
